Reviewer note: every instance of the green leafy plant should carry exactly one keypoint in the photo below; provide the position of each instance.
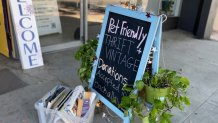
(87, 55)
(176, 96)
(167, 6)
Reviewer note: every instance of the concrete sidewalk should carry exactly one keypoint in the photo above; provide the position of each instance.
(196, 59)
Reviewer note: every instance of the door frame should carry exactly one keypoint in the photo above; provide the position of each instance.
(83, 32)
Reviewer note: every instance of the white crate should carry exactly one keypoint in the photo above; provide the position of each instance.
(46, 115)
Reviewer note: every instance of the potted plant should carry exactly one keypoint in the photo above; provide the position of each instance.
(87, 55)
(167, 6)
(163, 90)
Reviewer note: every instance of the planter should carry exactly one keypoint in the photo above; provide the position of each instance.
(146, 120)
(155, 93)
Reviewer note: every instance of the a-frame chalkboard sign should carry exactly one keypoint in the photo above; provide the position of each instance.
(125, 42)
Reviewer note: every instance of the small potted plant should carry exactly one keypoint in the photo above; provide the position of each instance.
(163, 90)
(167, 6)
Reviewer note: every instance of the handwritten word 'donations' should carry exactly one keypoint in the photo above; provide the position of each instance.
(121, 28)
(112, 72)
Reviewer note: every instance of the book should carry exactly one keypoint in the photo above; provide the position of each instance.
(85, 107)
(54, 97)
(60, 99)
(62, 103)
(84, 104)
(79, 108)
(72, 103)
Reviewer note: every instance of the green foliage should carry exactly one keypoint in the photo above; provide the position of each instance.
(164, 78)
(167, 6)
(140, 85)
(135, 102)
(176, 97)
(87, 55)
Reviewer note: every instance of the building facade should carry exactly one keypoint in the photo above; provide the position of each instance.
(63, 24)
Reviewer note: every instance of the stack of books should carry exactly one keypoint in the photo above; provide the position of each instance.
(73, 103)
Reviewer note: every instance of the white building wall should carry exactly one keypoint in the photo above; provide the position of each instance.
(215, 25)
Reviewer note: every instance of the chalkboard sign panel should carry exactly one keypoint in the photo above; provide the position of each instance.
(123, 44)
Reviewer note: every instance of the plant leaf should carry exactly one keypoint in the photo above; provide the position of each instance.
(127, 88)
(78, 55)
(126, 101)
(166, 118)
(185, 81)
(146, 76)
(140, 85)
(186, 101)
(158, 104)
(81, 70)
(133, 96)
(154, 113)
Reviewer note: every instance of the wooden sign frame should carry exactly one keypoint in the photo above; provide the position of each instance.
(155, 22)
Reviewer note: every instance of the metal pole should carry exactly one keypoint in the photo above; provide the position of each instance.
(85, 17)
(83, 20)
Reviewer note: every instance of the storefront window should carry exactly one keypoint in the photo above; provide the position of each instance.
(96, 15)
(58, 21)
(97, 8)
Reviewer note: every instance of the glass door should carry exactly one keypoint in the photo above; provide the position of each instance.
(58, 23)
